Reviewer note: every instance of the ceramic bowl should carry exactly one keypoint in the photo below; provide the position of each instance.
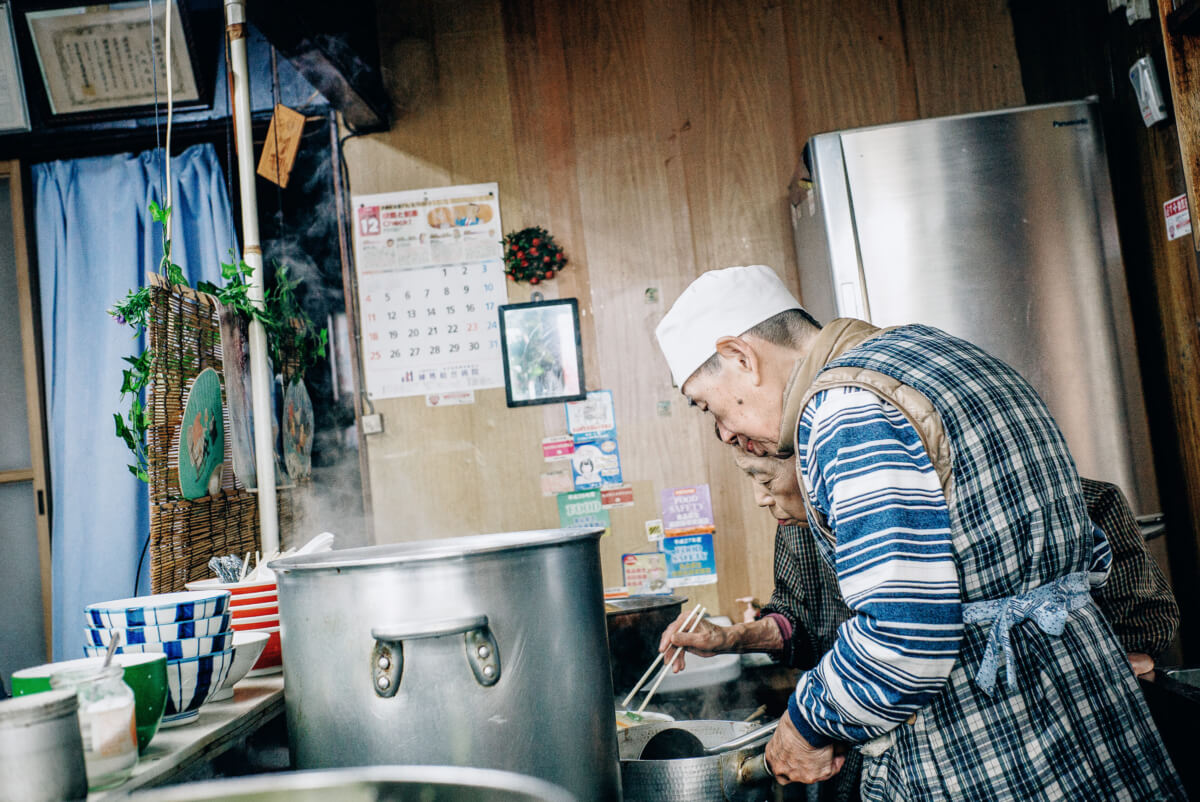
(236, 588)
(192, 682)
(248, 599)
(146, 674)
(173, 649)
(255, 611)
(201, 628)
(255, 621)
(247, 647)
(163, 608)
(271, 660)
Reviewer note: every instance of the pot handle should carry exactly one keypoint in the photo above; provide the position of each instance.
(744, 779)
(430, 629)
(387, 657)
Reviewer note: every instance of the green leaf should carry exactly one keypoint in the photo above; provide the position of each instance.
(157, 212)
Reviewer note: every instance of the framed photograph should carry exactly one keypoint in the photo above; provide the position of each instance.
(98, 61)
(543, 357)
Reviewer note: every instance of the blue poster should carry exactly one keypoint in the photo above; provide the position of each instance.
(596, 464)
(690, 560)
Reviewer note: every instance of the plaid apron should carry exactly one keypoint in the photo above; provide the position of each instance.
(1066, 718)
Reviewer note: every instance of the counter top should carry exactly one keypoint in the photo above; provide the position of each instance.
(176, 749)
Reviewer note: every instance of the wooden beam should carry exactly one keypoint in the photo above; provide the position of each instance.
(35, 393)
(1183, 66)
(9, 477)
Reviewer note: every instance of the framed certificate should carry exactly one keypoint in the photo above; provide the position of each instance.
(100, 61)
(543, 357)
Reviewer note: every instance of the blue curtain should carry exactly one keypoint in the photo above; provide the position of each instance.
(95, 242)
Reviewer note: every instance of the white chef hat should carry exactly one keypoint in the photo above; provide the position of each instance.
(720, 303)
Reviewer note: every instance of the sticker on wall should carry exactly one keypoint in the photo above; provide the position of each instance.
(559, 447)
(1179, 219)
(450, 399)
(690, 560)
(687, 510)
(582, 509)
(654, 531)
(645, 574)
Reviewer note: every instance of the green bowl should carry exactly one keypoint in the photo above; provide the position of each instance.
(145, 673)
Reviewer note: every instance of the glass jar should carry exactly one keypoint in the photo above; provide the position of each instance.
(106, 722)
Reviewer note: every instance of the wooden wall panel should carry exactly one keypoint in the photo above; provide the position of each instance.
(655, 140)
(962, 55)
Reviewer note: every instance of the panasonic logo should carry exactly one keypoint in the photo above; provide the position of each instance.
(1069, 123)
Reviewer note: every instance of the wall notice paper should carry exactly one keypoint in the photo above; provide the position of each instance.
(1179, 220)
(616, 496)
(596, 464)
(582, 509)
(593, 418)
(593, 426)
(687, 510)
(654, 531)
(645, 574)
(430, 282)
(557, 448)
(557, 481)
(690, 560)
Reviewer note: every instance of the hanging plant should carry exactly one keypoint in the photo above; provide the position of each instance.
(532, 255)
(290, 333)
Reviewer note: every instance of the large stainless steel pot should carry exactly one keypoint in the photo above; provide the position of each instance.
(735, 776)
(484, 651)
(373, 784)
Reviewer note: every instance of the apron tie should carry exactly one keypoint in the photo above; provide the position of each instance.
(1047, 605)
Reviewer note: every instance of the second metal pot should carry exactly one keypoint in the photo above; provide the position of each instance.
(736, 776)
(634, 629)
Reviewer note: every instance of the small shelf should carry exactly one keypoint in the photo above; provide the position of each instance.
(1185, 18)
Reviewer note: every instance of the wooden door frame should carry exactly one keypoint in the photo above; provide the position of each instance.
(31, 343)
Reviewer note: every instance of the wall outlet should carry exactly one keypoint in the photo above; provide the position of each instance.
(372, 424)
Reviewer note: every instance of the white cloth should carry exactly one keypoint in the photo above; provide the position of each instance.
(720, 303)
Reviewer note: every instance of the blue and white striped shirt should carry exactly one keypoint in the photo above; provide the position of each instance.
(866, 470)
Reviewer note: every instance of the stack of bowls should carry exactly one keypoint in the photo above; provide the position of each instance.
(193, 631)
(254, 606)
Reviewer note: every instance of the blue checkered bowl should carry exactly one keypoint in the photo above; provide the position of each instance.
(173, 649)
(163, 608)
(201, 628)
(191, 682)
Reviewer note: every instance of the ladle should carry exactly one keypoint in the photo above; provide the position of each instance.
(674, 743)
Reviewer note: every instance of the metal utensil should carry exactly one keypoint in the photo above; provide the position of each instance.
(737, 776)
(676, 742)
(658, 659)
(670, 663)
(112, 646)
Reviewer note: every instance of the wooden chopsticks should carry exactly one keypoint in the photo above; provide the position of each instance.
(689, 625)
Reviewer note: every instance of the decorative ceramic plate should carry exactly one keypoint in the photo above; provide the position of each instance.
(201, 435)
(297, 431)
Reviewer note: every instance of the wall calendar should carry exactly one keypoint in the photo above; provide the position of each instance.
(430, 283)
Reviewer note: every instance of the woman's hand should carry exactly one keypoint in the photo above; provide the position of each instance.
(705, 640)
(792, 759)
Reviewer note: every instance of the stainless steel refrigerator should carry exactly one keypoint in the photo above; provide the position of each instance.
(998, 228)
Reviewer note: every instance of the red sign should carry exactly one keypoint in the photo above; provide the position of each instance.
(616, 496)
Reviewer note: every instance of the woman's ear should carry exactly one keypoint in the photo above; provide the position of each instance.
(742, 355)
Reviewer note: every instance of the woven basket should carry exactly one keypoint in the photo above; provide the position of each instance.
(184, 339)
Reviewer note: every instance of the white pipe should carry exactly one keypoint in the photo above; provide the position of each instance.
(260, 374)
